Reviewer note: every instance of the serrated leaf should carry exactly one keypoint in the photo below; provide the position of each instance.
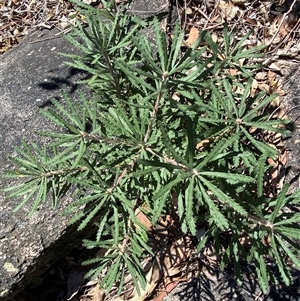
(287, 219)
(262, 147)
(282, 268)
(189, 202)
(286, 249)
(215, 213)
(280, 202)
(223, 197)
(261, 272)
(217, 149)
(288, 231)
(229, 176)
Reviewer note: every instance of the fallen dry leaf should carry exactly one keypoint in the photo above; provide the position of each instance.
(254, 87)
(283, 157)
(233, 72)
(94, 294)
(227, 10)
(143, 219)
(261, 75)
(274, 66)
(251, 21)
(283, 30)
(193, 36)
(153, 277)
(264, 87)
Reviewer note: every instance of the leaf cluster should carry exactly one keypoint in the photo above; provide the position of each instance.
(164, 121)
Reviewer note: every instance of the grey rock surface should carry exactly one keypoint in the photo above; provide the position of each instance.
(31, 74)
(291, 105)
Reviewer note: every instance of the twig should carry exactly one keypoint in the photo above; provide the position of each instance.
(281, 22)
(210, 16)
(204, 15)
(172, 162)
(42, 40)
(148, 11)
(57, 35)
(286, 37)
(124, 173)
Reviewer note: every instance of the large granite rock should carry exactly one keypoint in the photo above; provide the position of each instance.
(30, 75)
(291, 105)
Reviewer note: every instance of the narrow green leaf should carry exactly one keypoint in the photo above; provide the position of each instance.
(232, 106)
(190, 152)
(168, 187)
(287, 219)
(269, 125)
(280, 202)
(22, 188)
(215, 212)
(91, 214)
(218, 148)
(262, 147)
(143, 243)
(261, 271)
(222, 197)
(292, 256)
(142, 43)
(27, 198)
(175, 46)
(229, 176)
(254, 52)
(254, 110)
(116, 233)
(137, 277)
(109, 278)
(189, 201)
(261, 171)
(289, 231)
(160, 204)
(238, 46)
(101, 226)
(161, 46)
(182, 212)
(227, 38)
(282, 268)
(40, 197)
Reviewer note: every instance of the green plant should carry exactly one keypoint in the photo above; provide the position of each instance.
(163, 121)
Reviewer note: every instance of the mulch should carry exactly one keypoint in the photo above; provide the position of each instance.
(273, 23)
(19, 18)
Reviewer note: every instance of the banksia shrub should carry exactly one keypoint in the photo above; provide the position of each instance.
(164, 122)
